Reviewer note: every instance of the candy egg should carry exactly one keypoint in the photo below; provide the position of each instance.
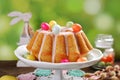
(76, 27)
(8, 77)
(45, 26)
(82, 59)
(69, 24)
(52, 23)
(30, 57)
(56, 29)
(64, 60)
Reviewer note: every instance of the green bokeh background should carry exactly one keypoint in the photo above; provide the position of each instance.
(95, 16)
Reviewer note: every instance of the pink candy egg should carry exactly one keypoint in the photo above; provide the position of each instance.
(64, 60)
(45, 26)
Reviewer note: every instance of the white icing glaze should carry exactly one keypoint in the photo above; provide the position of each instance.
(54, 47)
(66, 44)
(43, 41)
(40, 51)
(64, 29)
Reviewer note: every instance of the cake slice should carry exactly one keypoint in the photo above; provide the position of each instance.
(60, 49)
(90, 47)
(30, 44)
(82, 44)
(45, 53)
(37, 44)
(73, 50)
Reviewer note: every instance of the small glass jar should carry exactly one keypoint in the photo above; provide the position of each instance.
(104, 42)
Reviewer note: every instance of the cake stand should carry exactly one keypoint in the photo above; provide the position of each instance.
(93, 57)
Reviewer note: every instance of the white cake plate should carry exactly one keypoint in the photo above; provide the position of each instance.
(93, 57)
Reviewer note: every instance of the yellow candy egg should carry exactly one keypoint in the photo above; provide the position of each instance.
(8, 77)
(52, 23)
(30, 57)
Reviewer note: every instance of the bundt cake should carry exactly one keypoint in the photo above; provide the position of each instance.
(55, 43)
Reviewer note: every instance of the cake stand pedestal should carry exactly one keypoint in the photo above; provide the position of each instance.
(93, 57)
(58, 75)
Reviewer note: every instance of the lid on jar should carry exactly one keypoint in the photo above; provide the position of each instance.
(104, 41)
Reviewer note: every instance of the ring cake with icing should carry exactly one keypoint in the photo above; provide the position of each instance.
(48, 46)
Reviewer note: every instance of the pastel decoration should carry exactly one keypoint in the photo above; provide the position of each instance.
(26, 76)
(64, 60)
(76, 73)
(42, 72)
(69, 24)
(19, 16)
(56, 29)
(45, 26)
(76, 27)
(52, 23)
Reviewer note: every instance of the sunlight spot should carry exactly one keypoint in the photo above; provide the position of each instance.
(104, 22)
(92, 6)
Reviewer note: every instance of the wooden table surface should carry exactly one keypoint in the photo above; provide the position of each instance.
(9, 68)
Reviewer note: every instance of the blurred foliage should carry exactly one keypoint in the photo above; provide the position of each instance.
(61, 11)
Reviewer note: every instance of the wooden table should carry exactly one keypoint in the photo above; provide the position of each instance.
(9, 68)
